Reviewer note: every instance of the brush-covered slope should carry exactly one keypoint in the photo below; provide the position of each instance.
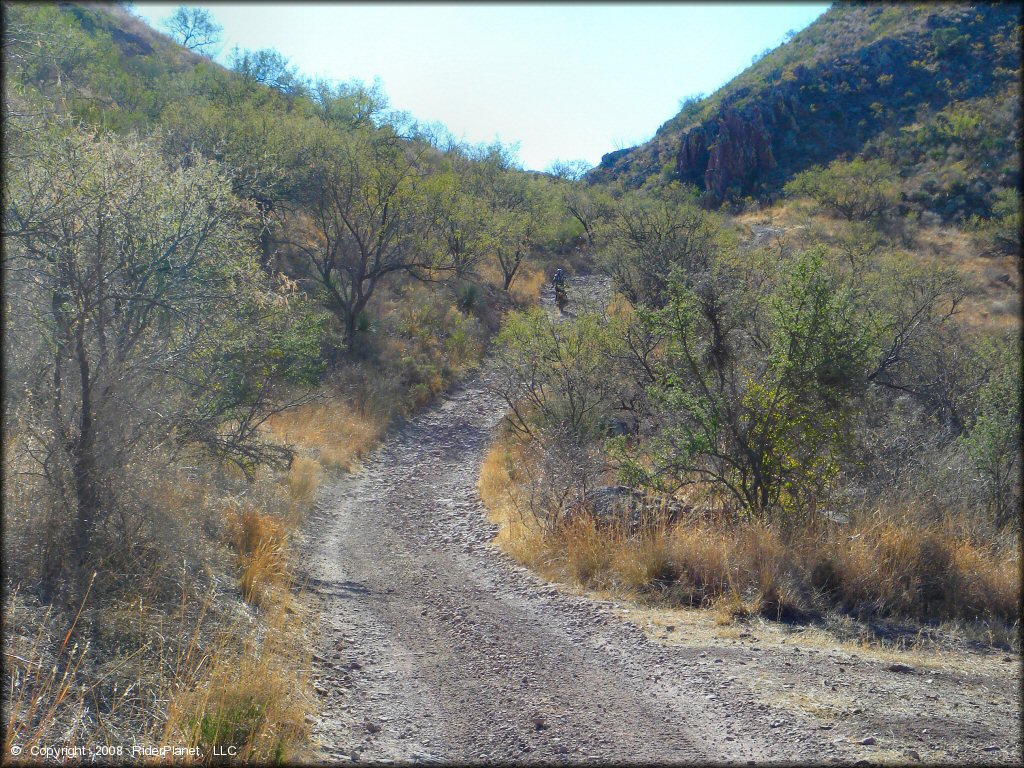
(932, 87)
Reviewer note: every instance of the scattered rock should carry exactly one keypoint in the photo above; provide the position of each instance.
(613, 505)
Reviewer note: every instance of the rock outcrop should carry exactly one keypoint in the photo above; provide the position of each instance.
(793, 112)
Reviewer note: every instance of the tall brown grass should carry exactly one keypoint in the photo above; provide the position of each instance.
(254, 698)
(338, 432)
(134, 664)
(879, 566)
(527, 286)
(193, 683)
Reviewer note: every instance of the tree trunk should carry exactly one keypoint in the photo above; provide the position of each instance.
(83, 456)
(350, 331)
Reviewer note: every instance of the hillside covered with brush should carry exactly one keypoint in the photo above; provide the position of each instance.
(221, 284)
(930, 88)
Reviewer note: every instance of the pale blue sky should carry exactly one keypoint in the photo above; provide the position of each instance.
(564, 81)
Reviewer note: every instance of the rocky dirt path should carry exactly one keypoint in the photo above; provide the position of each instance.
(435, 647)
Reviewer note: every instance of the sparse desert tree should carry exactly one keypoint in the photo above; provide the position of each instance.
(361, 220)
(556, 375)
(858, 189)
(195, 29)
(993, 440)
(268, 67)
(587, 205)
(142, 320)
(560, 386)
(1001, 232)
(924, 353)
(649, 238)
(458, 220)
(512, 207)
(764, 421)
(348, 105)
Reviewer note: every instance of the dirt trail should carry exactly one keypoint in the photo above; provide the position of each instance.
(435, 647)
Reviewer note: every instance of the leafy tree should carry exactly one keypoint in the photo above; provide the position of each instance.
(858, 189)
(360, 221)
(458, 219)
(1001, 232)
(512, 206)
(586, 204)
(255, 151)
(764, 421)
(349, 105)
(126, 276)
(555, 375)
(195, 29)
(649, 238)
(993, 441)
(923, 353)
(270, 68)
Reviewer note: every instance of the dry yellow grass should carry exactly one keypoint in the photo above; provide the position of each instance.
(304, 477)
(339, 432)
(252, 697)
(923, 570)
(993, 282)
(45, 688)
(527, 285)
(519, 534)
(260, 542)
(877, 567)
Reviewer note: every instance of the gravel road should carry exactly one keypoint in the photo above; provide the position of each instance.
(434, 647)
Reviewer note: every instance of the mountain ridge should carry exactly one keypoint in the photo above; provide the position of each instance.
(853, 82)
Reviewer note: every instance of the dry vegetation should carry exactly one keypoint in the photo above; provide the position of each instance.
(992, 280)
(223, 665)
(884, 564)
(182, 498)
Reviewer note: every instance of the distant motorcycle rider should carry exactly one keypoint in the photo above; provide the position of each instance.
(558, 281)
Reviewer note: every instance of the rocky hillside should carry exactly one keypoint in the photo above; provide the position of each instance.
(933, 87)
